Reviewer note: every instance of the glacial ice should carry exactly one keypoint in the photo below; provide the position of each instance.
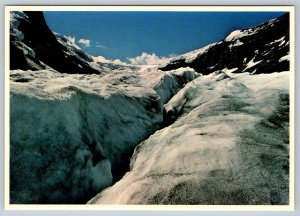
(251, 64)
(229, 144)
(190, 56)
(15, 19)
(71, 133)
(222, 139)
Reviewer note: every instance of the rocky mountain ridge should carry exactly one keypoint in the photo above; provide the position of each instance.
(260, 49)
(33, 46)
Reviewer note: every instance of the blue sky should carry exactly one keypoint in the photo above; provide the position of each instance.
(123, 35)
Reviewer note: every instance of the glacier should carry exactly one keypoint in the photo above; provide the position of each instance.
(72, 134)
(209, 127)
(228, 145)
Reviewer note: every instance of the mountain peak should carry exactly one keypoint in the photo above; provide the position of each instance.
(260, 49)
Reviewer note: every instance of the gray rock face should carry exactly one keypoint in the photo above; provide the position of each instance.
(261, 49)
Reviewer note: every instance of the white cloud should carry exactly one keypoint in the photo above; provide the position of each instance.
(71, 39)
(150, 59)
(102, 59)
(98, 45)
(85, 42)
(118, 61)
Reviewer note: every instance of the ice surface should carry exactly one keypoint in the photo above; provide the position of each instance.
(277, 41)
(235, 35)
(69, 132)
(190, 56)
(285, 58)
(229, 145)
(15, 19)
(251, 63)
(238, 34)
(282, 43)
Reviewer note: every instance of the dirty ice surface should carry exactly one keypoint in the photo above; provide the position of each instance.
(229, 144)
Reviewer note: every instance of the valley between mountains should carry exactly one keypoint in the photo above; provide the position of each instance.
(210, 127)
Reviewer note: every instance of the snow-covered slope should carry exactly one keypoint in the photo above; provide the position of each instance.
(229, 145)
(259, 49)
(73, 135)
(191, 56)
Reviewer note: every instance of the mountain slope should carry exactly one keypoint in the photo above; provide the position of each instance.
(33, 46)
(261, 49)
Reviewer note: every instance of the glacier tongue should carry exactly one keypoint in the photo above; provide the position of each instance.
(229, 145)
(71, 135)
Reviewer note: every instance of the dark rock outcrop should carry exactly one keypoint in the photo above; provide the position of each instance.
(257, 50)
(45, 49)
